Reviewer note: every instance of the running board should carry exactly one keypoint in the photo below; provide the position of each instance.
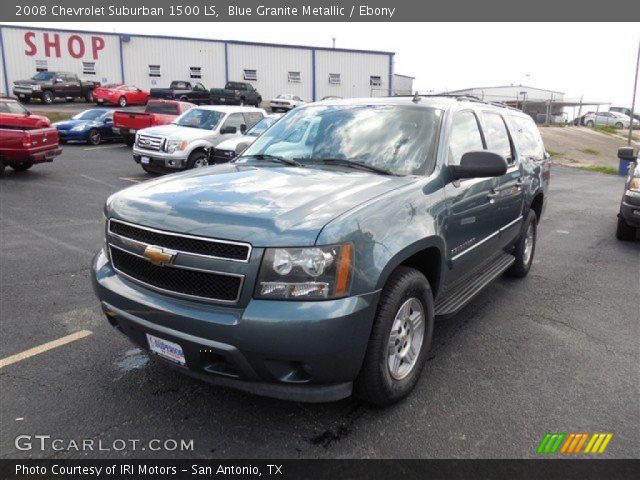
(461, 294)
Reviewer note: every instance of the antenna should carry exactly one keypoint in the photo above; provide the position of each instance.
(416, 97)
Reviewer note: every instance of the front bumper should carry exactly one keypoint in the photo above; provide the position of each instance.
(302, 351)
(630, 211)
(70, 136)
(159, 160)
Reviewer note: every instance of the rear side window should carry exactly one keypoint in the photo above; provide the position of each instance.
(527, 138)
(496, 135)
(251, 118)
(465, 136)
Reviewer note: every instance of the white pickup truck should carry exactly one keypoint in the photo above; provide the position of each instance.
(184, 143)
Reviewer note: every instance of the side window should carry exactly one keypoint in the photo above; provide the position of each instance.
(527, 138)
(251, 118)
(497, 136)
(199, 87)
(235, 120)
(465, 136)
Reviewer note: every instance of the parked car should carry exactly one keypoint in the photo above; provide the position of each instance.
(121, 95)
(229, 149)
(184, 143)
(236, 93)
(629, 215)
(157, 112)
(20, 149)
(311, 275)
(331, 97)
(47, 86)
(285, 102)
(14, 115)
(92, 126)
(614, 119)
(183, 91)
(626, 111)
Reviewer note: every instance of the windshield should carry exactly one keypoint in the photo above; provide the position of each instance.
(200, 118)
(43, 76)
(398, 139)
(90, 114)
(260, 127)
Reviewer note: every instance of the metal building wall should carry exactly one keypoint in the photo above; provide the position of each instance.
(175, 57)
(4, 90)
(402, 85)
(355, 70)
(24, 46)
(273, 65)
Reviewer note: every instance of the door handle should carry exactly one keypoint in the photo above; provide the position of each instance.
(519, 183)
(492, 195)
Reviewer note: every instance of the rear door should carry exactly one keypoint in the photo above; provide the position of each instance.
(471, 226)
(72, 85)
(510, 199)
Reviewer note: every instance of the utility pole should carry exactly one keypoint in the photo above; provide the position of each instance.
(633, 100)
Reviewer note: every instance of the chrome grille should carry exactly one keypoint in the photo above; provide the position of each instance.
(148, 142)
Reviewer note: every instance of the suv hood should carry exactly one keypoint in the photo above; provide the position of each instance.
(233, 143)
(177, 132)
(262, 205)
(31, 81)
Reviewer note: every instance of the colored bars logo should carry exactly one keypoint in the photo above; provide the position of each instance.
(573, 443)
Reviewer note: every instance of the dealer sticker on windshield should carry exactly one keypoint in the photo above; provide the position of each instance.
(165, 348)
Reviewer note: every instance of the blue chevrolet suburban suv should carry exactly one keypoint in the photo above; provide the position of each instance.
(313, 265)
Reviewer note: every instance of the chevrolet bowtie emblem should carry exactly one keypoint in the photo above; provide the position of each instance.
(158, 256)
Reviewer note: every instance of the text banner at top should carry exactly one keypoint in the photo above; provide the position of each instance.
(316, 10)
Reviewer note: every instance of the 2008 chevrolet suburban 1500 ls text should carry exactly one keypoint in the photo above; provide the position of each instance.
(318, 270)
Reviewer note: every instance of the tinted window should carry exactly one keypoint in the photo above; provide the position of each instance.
(465, 136)
(235, 120)
(261, 126)
(13, 107)
(395, 138)
(496, 135)
(527, 137)
(162, 108)
(200, 118)
(251, 118)
(42, 76)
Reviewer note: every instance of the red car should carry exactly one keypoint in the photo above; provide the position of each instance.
(20, 148)
(158, 112)
(14, 115)
(122, 95)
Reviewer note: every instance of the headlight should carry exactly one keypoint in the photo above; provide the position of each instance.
(312, 273)
(36, 87)
(176, 145)
(634, 185)
(78, 128)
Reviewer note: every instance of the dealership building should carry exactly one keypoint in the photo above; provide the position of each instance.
(148, 61)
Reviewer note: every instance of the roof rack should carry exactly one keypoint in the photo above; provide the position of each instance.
(460, 97)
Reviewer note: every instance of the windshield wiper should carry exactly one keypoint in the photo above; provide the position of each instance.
(266, 156)
(349, 163)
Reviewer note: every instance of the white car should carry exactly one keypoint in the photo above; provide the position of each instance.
(184, 143)
(285, 102)
(229, 149)
(614, 119)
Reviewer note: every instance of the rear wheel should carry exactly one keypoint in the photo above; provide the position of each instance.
(94, 137)
(525, 247)
(197, 160)
(184, 99)
(400, 339)
(624, 230)
(47, 98)
(122, 101)
(21, 166)
(129, 140)
(619, 125)
(589, 123)
(89, 96)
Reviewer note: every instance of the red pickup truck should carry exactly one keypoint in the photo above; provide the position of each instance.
(157, 112)
(21, 149)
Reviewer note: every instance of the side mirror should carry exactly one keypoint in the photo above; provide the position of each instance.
(59, 80)
(226, 130)
(108, 120)
(626, 153)
(479, 164)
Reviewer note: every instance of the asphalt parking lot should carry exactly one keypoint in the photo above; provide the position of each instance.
(555, 352)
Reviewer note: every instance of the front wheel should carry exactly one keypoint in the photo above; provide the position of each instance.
(94, 137)
(525, 247)
(400, 339)
(47, 98)
(197, 160)
(89, 96)
(624, 231)
(21, 166)
(589, 123)
(619, 125)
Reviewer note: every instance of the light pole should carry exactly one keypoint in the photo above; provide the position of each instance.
(633, 100)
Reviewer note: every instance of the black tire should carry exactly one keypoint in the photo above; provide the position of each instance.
(47, 97)
(149, 170)
(129, 140)
(375, 383)
(94, 137)
(589, 123)
(242, 102)
(196, 159)
(122, 101)
(89, 96)
(69, 100)
(21, 166)
(2, 167)
(521, 266)
(619, 125)
(25, 100)
(625, 231)
(184, 99)
(258, 102)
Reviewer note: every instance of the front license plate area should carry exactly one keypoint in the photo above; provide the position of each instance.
(145, 160)
(166, 349)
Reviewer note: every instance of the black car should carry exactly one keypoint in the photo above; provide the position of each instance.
(183, 91)
(629, 216)
(47, 86)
